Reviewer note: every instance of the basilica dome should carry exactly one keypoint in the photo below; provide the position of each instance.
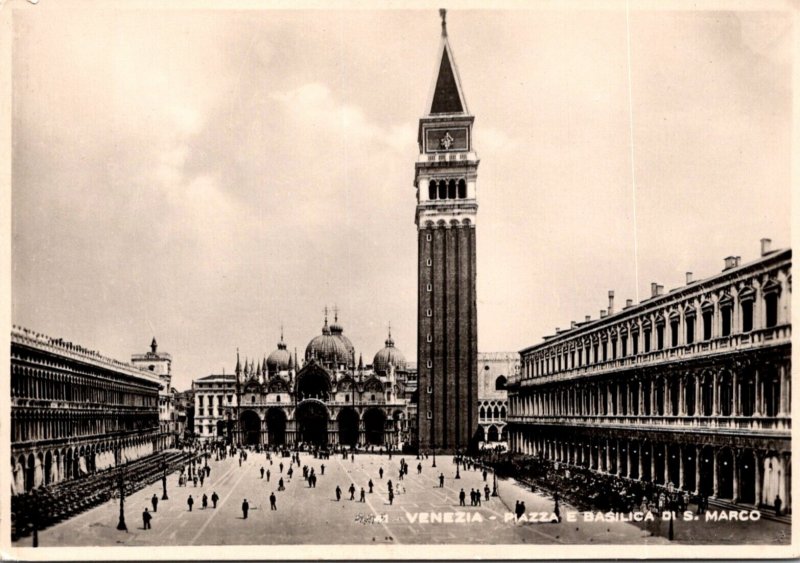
(388, 356)
(280, 359)
(338, 331)
(329, 349)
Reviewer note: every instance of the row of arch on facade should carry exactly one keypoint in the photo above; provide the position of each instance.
(487, 412)
(447, 189)
(492, 433)
(43, 467)
(454, 223)
(762, 391)
(754, 476)
(682, 324)
(313, 423)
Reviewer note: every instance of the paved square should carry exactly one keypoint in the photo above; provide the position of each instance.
(313, 516)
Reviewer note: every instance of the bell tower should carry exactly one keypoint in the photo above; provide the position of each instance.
(446, 172)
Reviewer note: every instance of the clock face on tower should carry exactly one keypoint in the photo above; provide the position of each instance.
(452, 139)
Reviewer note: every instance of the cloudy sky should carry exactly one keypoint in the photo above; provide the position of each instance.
(206, 176)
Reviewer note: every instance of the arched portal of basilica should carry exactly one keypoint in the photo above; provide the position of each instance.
(312, 422)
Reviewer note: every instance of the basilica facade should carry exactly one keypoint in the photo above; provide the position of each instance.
(327, 398)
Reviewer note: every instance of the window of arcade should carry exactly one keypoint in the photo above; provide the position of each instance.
(447, 189)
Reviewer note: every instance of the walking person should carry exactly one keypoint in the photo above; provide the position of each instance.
(486, 492)
(146, 517)
(391, 496)
(190, 502)
(419, 469)
(245, 508)
(363, 495)
(380, 472)
(272, 501)
(352, 490)
(202, 477)
(485, 473)
(194, 480)
(154, 501)
(214, 498)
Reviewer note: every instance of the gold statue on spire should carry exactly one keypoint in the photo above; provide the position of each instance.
(443, 14)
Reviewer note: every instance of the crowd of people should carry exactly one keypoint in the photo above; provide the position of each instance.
(585, 488)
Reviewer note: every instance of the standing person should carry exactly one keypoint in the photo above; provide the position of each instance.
(202, 476)
(281, 467)
(485, 473)
(419, 469)
(272, 500)
(268, 474)
(352, 490)
(338, 493)
(280, 485)
(486, 492)
(363, 496)
(322, 469)
(245, 508)
(190, 502)
(154, 501)
(146, 517)
(262, 471)
(461, 496)
(400, 478)
(290, 472)
(518, 510)
(441, 480)
(214, 498)
(391, 496)
(370, 484)
(778, 505)
(194, 480)
(205, 501)
(380, 472)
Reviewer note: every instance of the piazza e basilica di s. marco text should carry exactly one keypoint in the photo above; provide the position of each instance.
(661, 422)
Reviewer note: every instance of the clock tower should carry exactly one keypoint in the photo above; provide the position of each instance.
(447, 330)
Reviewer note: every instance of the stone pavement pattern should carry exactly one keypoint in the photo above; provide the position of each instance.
(313, 516)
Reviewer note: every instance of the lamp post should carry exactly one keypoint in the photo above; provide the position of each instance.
(434, 456)
(121, 524)
(164, 482)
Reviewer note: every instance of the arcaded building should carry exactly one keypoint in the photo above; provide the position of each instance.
(446, 174)
(690, 387)
(160, 363)
(74, 411)
(326, 399)
(494, 371)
